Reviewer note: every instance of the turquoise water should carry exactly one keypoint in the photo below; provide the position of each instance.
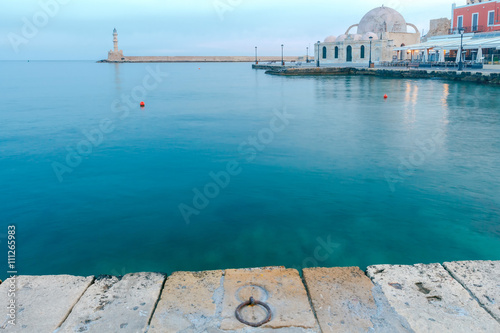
(348, 179)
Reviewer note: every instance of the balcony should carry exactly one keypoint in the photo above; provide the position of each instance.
(474, 28)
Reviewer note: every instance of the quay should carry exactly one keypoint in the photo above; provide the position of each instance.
(485, 76)
(459, 296)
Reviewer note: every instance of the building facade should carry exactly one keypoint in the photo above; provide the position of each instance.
(439, 27)
(378, 33)
(476, 16)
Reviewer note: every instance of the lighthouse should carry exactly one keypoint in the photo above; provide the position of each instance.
(115, 40)
(115, 54)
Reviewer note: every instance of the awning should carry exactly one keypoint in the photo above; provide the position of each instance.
(452, 42)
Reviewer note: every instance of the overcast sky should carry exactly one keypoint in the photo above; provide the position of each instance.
(82, 29)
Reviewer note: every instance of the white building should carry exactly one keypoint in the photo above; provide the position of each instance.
(384, 27)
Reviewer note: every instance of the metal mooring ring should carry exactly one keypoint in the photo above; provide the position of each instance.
(252, 302)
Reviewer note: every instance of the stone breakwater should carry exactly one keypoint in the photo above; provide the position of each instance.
(139, 59)
(450, 297)
(464, 76)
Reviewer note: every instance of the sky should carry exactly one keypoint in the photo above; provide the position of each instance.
(82, 29)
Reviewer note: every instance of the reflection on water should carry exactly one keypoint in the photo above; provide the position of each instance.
(411, 96)
(117, 78)
(323, 176)
(444, 102)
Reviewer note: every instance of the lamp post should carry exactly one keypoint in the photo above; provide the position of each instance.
(307, 55)
(460, 63)
(317, 62)
(282, 61)
(256, 59)
(370, 61)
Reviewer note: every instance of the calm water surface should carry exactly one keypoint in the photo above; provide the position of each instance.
(352, 179)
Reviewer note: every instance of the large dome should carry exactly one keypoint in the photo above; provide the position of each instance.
(382, 19)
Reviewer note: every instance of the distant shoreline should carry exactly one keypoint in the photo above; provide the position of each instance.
(146, 59)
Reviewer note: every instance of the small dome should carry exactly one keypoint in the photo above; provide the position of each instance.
(114, 31)
(368, 35)
(330, 39)
(382, 19)
(356, 37)
(341, 38)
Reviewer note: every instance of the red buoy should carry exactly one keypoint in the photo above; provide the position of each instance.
(143, 104)
(385, 96)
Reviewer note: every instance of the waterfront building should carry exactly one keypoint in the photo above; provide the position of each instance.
(474, 34)
(476, 16)
(383, 27)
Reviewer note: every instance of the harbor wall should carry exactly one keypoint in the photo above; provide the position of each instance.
(450, 297)
(464, 76)
(139, 59)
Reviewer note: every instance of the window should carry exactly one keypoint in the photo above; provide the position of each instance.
(491, 18)
(336, 52)
(475, 19)
(324, 52)
(362, 52)
(460, 21)
(349, 53)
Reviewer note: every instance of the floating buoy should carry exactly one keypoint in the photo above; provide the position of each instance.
(143, 104)
(385, 96)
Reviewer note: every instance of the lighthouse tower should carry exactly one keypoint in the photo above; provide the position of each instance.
(115, 54)
(115, 40)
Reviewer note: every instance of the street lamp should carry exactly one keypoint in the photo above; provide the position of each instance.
(307, 54)
(282, 61)
(370, 61)
(460, 63)
(317, 62)
(256, 59)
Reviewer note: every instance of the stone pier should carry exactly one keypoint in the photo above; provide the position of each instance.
(482, 76)
(450, 297)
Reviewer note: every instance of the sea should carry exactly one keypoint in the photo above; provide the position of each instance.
(228, 167)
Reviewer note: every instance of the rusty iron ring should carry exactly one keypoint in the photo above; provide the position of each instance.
(253, 302)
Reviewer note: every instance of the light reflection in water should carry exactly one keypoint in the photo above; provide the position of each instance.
(444, 102)
(411, 95)
(117, 77)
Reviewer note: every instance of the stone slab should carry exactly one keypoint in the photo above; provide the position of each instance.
(43, 302)
(345, 300)
(430, 299)
(482, 279)
(190, 302)
(280, 288)
(116, 305)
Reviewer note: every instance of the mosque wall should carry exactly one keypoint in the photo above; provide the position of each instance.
(382, 50)
(402, 38)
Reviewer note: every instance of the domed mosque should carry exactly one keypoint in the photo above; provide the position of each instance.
(385, 27)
